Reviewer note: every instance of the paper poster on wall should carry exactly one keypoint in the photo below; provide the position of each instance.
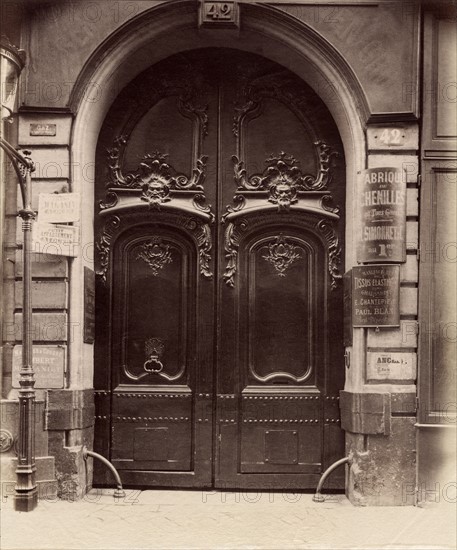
(382, 204)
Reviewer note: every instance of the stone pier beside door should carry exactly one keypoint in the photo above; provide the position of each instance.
(378, 412)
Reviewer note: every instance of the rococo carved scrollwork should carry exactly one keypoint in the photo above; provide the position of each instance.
(155, 253)
(334, 250)
(156, 185)
(103, 245)
(154, 176)
(231, 244)
(282, 177)
(281, 254)
(283, 185)
(204, 248)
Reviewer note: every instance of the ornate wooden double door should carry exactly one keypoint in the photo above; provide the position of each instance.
(219, 230)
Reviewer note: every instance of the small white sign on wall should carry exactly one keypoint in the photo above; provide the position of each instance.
(57, 239)
(391, 365)
(59, 207)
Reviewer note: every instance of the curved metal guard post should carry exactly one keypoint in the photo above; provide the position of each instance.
(317, 496)
(119, 491)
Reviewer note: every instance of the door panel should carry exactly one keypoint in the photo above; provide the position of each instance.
(154, 342)
(219, 350)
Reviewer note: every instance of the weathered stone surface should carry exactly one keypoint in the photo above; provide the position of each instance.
(382, 472)
(365, 413)
(412, 235)
(45, 327)
(403, 403)
(51, 163)
(44, 265)
(70, 409)
(408, 301)
(409, 271)
(45, 294)
(412, 202)
(403, 337)
(62, 129)
(74, 475)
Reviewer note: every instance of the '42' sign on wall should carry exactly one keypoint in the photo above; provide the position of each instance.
(218, 14)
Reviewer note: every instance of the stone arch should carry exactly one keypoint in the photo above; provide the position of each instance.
(168, 29)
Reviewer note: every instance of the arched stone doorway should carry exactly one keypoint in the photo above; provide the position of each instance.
(265, 31)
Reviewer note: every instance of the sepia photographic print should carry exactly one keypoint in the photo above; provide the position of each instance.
(228, 274)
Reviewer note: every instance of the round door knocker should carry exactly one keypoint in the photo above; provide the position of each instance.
(154, 349)
(6, 441)
(153, 364)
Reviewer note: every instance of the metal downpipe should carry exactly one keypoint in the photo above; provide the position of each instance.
(119, 491)
(317, 496)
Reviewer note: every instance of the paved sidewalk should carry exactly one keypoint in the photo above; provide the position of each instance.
(210, 520)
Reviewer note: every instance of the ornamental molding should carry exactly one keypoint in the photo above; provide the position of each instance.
(155, 192)
(327, 229)
(194, 226)
(155, 253)
(155, 181)
(282, 191)
(282, 177)
(282, 256)
(104, 244)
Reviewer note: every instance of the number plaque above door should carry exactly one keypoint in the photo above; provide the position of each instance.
(218, 15)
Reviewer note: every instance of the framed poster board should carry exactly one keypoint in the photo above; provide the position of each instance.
(382, 203)
(376, 296)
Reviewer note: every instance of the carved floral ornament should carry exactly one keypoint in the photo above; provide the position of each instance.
(155, 253)
(281, 254)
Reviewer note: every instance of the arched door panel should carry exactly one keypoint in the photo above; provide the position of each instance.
(219, 234)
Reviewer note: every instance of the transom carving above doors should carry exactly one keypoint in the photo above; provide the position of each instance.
(282, 188)
(193, 225)
(155, 177)
(324, 227)
(157, 187)
(283, 179)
